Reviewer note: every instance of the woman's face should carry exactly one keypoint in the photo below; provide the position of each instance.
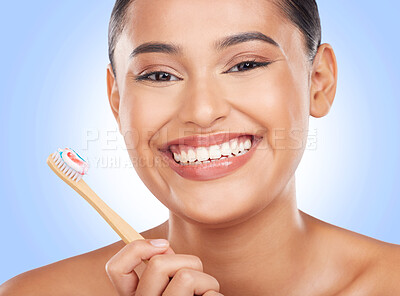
(204, 91)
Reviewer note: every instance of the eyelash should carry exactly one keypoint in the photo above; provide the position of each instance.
(147, 75)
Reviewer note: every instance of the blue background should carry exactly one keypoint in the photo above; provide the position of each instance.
(53, 94)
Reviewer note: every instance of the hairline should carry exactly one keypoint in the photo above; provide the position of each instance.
(114, 37)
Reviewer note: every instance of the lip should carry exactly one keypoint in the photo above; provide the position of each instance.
(212, 170)
(204, 141)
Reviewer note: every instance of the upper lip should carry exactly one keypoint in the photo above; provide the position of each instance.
(203, 140)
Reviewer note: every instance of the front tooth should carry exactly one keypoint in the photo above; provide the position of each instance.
(184, 157)
(234, 146)
(191, 155)
(177, 157)
(247, 144)
(215, 152)
(225, 149)
(241, 146)
(202, 154)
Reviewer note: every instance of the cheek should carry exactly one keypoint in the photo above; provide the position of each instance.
(278, 102)
(143, 112)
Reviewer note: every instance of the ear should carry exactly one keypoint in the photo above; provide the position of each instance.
(323, 81)
(113, 94)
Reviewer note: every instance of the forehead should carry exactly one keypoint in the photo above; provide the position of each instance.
(197, 23)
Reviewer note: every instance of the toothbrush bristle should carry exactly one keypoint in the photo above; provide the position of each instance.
(64, 168)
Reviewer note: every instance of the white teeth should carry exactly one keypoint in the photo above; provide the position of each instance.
(191, 155)
(215, 152)
(177, 157)
(247, 144)
(234, 146)
(241, 147)
(202, 154)
(225, 149)
(183, 156)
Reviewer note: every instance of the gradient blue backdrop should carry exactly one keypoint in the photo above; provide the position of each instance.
(53, 94)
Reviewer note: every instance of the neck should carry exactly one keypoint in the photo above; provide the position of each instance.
(269, 246)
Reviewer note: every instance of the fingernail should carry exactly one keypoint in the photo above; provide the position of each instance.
(159, 242)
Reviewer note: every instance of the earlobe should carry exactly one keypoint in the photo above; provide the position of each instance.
(320, 105)
(113, 94)
(323, 81)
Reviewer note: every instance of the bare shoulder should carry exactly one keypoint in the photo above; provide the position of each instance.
(365, 266)
(382, 274)
(79, 275)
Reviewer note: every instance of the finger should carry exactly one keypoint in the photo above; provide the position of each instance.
(169, 251)
(161, 268)
(212, 293)
(189, 282)
(120, 268)
(142, 267)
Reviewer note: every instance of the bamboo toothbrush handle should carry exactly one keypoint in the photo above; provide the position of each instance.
(120, 226)
(123, 229)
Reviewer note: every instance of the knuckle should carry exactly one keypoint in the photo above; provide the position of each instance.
(185, 277)
(217, 285)
(110, 267)
(212, 293)
(156, 262)
(134, 245)
(197, 263)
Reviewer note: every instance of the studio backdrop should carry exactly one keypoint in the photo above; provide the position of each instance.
(53, 94)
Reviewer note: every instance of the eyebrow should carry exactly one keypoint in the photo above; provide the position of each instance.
(219, 45)
(156, 47)
(244, 37)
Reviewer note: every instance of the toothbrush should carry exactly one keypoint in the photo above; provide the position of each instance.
(70, 167)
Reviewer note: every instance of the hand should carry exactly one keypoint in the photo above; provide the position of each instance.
(166, 274)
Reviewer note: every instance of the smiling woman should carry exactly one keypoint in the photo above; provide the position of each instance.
(218, 95)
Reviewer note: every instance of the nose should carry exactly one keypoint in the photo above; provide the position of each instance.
(204, 103)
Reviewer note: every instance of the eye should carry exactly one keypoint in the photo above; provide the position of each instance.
(157, 76)
(247, 65)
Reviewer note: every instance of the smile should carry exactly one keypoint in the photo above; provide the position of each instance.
(218, 155)
(187, 155)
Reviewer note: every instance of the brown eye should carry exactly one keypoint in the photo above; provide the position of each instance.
(161, 76)
(157, 76)
(247, 65)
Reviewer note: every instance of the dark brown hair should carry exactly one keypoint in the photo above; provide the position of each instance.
(302, 13)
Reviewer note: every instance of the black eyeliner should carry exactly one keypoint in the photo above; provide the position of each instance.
(146, 76)
(259, 65)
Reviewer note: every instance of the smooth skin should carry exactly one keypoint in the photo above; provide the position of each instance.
(241, 234)
(185, 271)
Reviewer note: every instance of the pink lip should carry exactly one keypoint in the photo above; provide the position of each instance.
(204, 141)
(211, 170)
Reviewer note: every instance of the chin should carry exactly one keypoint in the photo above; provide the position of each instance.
(212, 215)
